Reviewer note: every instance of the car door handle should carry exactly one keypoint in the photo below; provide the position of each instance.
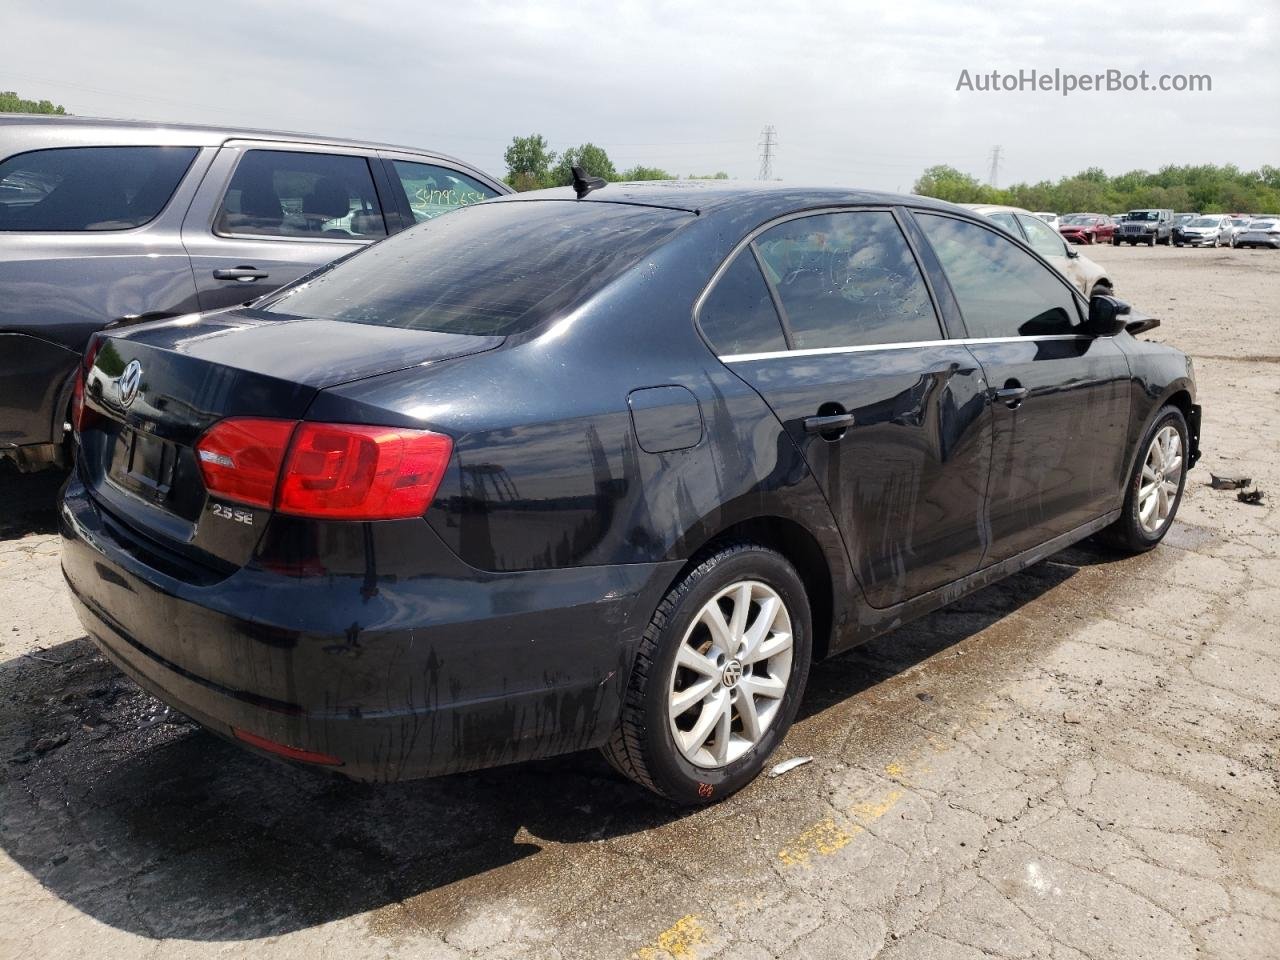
(838, 421)
(243, 274)
(1010, 395)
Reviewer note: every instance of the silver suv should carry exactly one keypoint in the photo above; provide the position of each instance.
(105, 222)
(1145, 226)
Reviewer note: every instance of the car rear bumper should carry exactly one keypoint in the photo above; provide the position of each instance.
(453, 670)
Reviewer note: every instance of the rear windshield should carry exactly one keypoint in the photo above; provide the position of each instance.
(489, 269)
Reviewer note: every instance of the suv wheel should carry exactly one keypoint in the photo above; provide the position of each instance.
(1155, 486)
(718, 677)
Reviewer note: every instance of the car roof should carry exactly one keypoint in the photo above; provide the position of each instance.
(987, 209)
(706, 196)
(73, 131)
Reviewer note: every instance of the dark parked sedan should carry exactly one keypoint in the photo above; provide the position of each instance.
(557, 472)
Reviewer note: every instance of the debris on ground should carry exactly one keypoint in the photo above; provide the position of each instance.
(786, 766)
(1250, 496)
(1229, 483)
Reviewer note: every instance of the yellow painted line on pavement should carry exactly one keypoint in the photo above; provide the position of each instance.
(679, 941)
(827, 836)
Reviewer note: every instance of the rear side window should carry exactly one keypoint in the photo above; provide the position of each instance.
(847, 279)
(490, 269)
(433, 190)
(89, 188)
(738, 315)
(1003, 291)
(283, 193)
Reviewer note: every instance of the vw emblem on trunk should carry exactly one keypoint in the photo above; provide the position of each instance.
(130, 381)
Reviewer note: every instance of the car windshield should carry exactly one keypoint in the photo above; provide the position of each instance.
(1078, 219)
(486, 269)
(1263, 225)
(1143, 215)
(1204, 222)
(1239, 222)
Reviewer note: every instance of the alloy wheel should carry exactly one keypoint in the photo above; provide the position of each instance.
(730, 674)
(1161, 479)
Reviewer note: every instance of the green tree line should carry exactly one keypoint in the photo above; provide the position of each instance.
(1192, 189)
(532, 164)
(10, 102)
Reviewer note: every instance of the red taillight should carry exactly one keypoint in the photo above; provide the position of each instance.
(240, 458)
(334, 471)
(78, 419)
(284, 750)
(349, 472)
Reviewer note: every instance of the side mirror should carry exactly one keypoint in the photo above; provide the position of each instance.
(1072, 254)
(1107, 315)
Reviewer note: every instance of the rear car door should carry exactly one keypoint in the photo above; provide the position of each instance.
(1061, 397)
(830, 319)
(89, 236)
(267, 213)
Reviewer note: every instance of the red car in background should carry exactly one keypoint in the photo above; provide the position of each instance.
(1087, 228)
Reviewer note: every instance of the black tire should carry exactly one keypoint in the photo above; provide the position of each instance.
(642, 746)
(1128, 533)
(1115, 242)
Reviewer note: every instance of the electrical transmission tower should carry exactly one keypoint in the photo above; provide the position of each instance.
(994, 178)
(768, 140)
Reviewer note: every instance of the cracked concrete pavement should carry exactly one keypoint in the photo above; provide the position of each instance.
(1080, 762)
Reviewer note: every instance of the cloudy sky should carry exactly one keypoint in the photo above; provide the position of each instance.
(860, 93)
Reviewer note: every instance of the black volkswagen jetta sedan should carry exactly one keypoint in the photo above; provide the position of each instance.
(600, 468)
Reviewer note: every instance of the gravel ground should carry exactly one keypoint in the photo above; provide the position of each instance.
(1080, 762)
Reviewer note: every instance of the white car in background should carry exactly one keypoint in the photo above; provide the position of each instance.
(1085, 275)
(1052, 219)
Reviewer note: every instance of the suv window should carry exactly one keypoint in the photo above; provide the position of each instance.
(487, 269)
(738, 316)
(847, 279)
(433, 190)
(89, 188)
(282, 193)
(1001, 289)
(1044, 240)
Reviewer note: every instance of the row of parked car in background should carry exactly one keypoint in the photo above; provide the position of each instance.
(1159, 226)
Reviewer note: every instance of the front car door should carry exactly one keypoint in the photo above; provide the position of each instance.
(267, 213)
(830, 319)
(1060, 398)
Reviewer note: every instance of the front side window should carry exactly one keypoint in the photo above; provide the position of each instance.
(1001, 289)
(433, 190)
(738, 315)
(1044, 240)
(89, 188)
(847, 279)
(283, 193)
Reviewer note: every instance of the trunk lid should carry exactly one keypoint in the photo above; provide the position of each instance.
(154, 389)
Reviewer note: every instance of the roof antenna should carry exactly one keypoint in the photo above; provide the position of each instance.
(582, 184)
